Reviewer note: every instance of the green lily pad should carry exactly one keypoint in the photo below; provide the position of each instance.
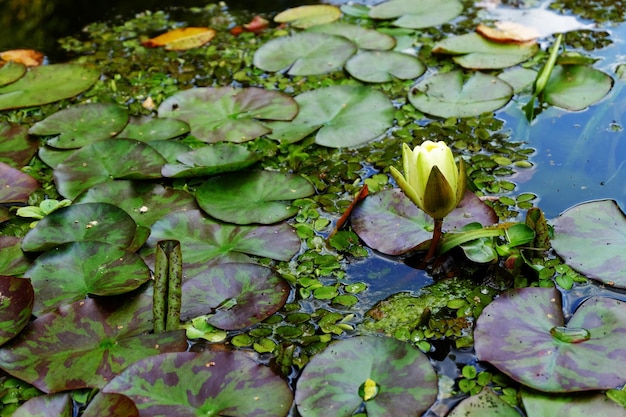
(12, 259)
(148, 129)
(170, 150)
(53, 157)
(228, 114)
(473, 51)
(105, 161)
(538, 404)
(78, 126)
(524, 334)
(55, 405)
(405, 381)
(590, 238)
(11, 72)
(519, 78)
(364, 38)
(46, 84)
(575, 87)
(390, 223)
(15, 186)
(235, 295)
(86, 343)
(16, 306)
(73, 271)
(449, 95)
(417, 14)
(89, 222)
(304, 53)
(16, 148)
(309, 15)
(211, 160)
(384, 66)
(342, 115)
(252, 197)
(111, 405)
(484, 404)
(190, 384)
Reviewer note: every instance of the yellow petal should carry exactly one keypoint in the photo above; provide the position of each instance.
(406, 187)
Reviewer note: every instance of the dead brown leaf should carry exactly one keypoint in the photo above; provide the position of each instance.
(28, 57)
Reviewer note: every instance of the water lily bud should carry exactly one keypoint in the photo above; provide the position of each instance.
(432, 180)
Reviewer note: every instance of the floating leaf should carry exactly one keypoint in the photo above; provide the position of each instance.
(508, 32)
(519, 78)
(12, 259)
(189, 384)
(332, 379)
(417, 14)
(211, 160)
(364, 38)
(181, 39)
(28, 57)
(78, 126)
(590, 238)
(538, 404)
(111, 405)
(449, 95)
(527, 350)
(15, 186)
(16, 148)
(304, 53)
(147, 129)
(575, 87)
(228, 114)
(11, 72)
(16, 305)
(46, 84)
(342, 115)
(484, 404)
(253, 197)
(384, 66)
(306, 16)
(55, 405)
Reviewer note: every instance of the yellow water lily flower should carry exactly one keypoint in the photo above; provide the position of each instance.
(432, 180)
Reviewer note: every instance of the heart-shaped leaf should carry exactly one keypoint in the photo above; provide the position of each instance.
(15, 186)
(362, 37)
(538, 404)
(417, 14)
(309, 15)
(228, 114)
(575, 87)
(524, 334)
(403, 382)
(189, 384)
(15, 307)
(211, 160)
(484, 404)
(253, 197)
(384, 66)
(16, 148)
(55, 405)
(148, 129)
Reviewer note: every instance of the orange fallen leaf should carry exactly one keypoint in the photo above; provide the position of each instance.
(256, 25)
(346, 214)
(508, 32)
(181, 39)
(306, 16)
(28, 57)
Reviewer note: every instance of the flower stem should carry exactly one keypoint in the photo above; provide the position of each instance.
(434, 242)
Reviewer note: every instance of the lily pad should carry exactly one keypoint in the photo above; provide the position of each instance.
(189, 384)
(364, 38)
(384, 66)
(16, 306)
(590, 238)
(78, 126)
(15, 186)
(519, 78)
(46, 84)
(304, 53)
(405, 381)
(473, 51)
(75, 270)
(55, 405)
(53, 157)
(228, 114)
(12, 259)
(235, 295)
(105, 161)
(575, 87)
(524, 334)
(417, 14)
(252, 197)
(11, 72)
(86, 343)
(211, 160)
(16, 149)
(111, 405)
(147, 129)
(484, 404)
(306, 16)
(390, 223)
(89, 222)
(449, 95)
(538, 404)
(342, 115)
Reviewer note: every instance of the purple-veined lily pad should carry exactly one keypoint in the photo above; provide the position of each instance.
(144, 202)
(16, 149)
(16, 305)
(211, 160)
(12, 259)
(55, 405)
(46, 84)
(449, 95)
(15, 186)
(538, 404)
(304, 53)
(100, 222)
(405, 381)
(148, 129)
(105, 161)
(392, 224)
(11, 72)
(78, 126)
(236, 295)
(524, 334)
(342, 115)
(384, 66)
(252, 197)
(86, 343)
(590, 238)
(111, 405)
(484, 404)
(190, 384)
(473, 51)
(364, 38)
(226, 114)
(417, 14)
(73, 271)
(575, 87)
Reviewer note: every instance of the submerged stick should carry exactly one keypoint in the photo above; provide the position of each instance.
(168, 274)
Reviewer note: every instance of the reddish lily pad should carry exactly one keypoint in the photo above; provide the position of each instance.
(484, 404)
(405, 381)
(417, 14)
(190, 384)
(111, 405)
(384, 66)
(86, 343)
(228, 114)
(211, 160)
(12, 259)
(590, 238)
(364, 38)
(15, 186)
(16, 305)
(524, 334)
(253, 197)
(55, 405)
(538, 404)
(16, 149)
(147, 129)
